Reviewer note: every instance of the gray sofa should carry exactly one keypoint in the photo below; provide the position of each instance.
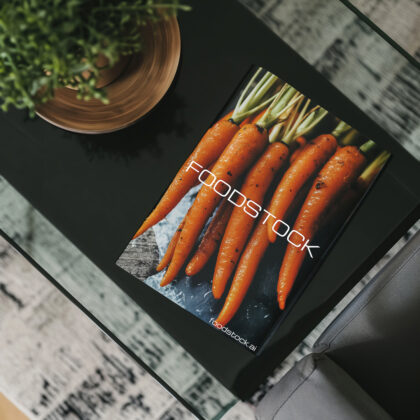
(366, 364)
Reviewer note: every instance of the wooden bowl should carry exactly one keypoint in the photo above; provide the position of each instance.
(138, 89)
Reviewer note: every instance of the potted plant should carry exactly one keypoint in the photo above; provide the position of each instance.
(48, 44)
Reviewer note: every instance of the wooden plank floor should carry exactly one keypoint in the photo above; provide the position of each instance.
(8, 411)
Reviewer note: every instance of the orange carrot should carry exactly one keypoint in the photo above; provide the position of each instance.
(258, 243)
(299, 144)
(247, 267)
(252, 99)
(340, 210)
(198, 182)
(245, 122)
(241, 223)
(166, 259)
(228, 116)
(245, 272)
(244, 148)
(334, 178)
(311, 159)
(207, 151)
(211, 239)
(258, 116)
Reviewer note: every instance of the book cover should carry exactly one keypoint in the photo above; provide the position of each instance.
(247, 220)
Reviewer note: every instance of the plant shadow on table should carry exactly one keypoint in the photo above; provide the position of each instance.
(166, 120)
(142, 136)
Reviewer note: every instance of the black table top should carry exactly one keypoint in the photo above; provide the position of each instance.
(97, 189)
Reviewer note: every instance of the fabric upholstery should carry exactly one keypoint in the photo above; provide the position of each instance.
(376, 339)
(366, 364)
(318, 389)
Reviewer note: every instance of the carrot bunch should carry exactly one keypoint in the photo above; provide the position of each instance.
(241, 152)
(265, 147)
(255, 186)
(211, 146)
(336, 176)
(311, 158)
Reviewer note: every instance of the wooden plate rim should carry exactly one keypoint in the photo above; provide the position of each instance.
(172, 22)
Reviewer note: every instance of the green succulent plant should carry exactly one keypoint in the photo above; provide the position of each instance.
(46, 44)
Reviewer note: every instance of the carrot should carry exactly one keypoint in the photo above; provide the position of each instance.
(258, 116)
(339, 211)
(207, 151)
(212, 145)
(245, 272)
(241, 223)
(245, 122)
(166, 259)
(198, 182)
(247, 267)
(334, 178)
(311, 159)
(171, 247)
(246, 145)
(371, 171)
(211, 239)
(229, 115)
(300, 144)
(258, 243)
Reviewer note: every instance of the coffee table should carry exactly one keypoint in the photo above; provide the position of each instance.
(91, 192)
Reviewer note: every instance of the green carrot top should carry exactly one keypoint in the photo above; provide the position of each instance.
(253, 100)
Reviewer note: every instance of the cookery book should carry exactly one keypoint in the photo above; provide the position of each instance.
(247, 220)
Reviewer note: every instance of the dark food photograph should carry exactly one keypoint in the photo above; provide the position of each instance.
(247, 219)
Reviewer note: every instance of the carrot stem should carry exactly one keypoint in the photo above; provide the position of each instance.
(310, 122)
(259, 93)
(289, 136)
(368, 148)
(350, 138)
(247, 87)
(304, 123)
(341, 130)
(250, 100)
(275, 132)
(210, 147)
(292, 117)
(372, 169)
(288, 114)
(261, 106)
(283, 102)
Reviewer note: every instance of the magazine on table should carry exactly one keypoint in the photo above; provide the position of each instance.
(247, 220)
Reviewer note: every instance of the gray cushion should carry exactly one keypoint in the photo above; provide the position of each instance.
(376, 339)
(317, 389)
